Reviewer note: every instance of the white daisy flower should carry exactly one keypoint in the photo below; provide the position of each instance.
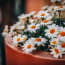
(12, 28)
(52, 9)
(33, 27)
(46, 22)
(54, 41)
(5, 32)
(24, 37)
(21, 27)
(40, 41)
(16, 39)
(62, 34)
(18, 23)
(31, 40)
(62, 47)
(23, 18)
(60, 8)
(52, 31)
(56, 52)
(49, 18)
(42, 14)
(11, 33)
(28, 47)
(6, 28)
(31, 20)
(19, 38)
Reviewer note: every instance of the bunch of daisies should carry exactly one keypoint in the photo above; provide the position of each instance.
(58, 1)
(42, 31)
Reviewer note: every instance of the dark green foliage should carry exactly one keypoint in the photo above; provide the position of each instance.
(59, 22)
(38, 33)
(45, 47)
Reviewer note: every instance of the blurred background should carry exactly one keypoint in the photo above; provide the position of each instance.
(10, 9)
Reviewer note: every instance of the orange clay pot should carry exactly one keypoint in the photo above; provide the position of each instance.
(17, 57)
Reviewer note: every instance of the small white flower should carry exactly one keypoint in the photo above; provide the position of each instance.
(23, 18)
(60, 8)
(28, 47)
(43, 14)
(21, 27)
(54, 41)
(5, 32)
(11, 33)
(31, 20)
(16, 39)
(62, 34)
(12, 28)
(40, 41)
(19, 38)
(62, 47)
(33, 27)
(52, 9)
(56, 52)
(52, 31)
(6, 28)
(46, 22)
(31, 40)
(49, 18)
(18, 23)
(24, 37)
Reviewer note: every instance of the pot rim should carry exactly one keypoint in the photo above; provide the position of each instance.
(32, 55)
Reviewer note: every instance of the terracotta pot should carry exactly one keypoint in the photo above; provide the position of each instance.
(17, 57)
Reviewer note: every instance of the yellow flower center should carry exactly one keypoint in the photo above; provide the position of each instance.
(5, 30)
(45, 21)
(18, 39)
(54, 42)
(56, 51)
(29, 46)
(60, 7)
(24, 39)
(23, 19)
(62, 34)
(43, 14)
(63, 45)
(52, 31)
(38, 39)
(33, 26)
